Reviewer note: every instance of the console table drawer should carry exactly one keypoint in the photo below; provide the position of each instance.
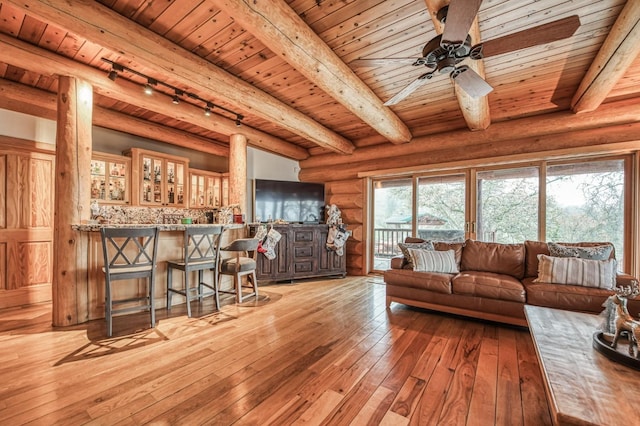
(303, 236)
(304, 251)
(303, 266)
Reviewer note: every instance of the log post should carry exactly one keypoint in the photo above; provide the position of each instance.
(238, 171)
(72, 194)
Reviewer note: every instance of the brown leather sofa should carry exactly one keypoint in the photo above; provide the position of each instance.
(494, 283)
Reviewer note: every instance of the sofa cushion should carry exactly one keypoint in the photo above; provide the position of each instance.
(601, 252)
(404, 248)
(562, 296)
(576, 271)
(489, 285)
(445, 246)
(432, 281)
(499, 258)
(534, 248)
(434, 261)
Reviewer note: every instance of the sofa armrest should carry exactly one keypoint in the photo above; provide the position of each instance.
(625, 280)
(397, 262)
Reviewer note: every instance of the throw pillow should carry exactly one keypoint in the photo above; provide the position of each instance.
(576, 271)
(404, 247)
(434, 261)
(602, 252)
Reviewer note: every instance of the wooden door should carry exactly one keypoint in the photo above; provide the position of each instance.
(26, 224)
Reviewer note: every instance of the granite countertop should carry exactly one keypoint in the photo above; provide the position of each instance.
(95, 227)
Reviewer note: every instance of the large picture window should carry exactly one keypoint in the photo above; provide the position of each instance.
(568, 201)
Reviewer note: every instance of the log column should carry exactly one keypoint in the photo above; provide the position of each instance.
(238, 171)
(72, 196)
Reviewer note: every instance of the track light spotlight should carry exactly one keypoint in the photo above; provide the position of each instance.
(148, 88)
(239, 118)
(207, 112)
(176, 100)
(113, 74)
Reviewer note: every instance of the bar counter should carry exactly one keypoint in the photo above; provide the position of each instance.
(91, 297)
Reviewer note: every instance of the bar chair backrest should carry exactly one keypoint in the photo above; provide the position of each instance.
(129, 253)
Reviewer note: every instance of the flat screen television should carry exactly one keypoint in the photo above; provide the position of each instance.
(295, 202)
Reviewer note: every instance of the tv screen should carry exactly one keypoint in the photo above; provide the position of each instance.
(295, 202)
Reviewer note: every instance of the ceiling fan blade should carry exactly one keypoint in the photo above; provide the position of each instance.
(379, 62)
(545, 33)
(459, 20)
(471, 82)
(412, 87)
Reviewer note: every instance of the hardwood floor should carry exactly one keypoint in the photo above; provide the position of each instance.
(314, 352)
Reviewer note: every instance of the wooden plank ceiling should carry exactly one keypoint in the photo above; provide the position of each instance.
(303, 92)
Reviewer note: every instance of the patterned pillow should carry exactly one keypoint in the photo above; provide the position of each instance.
(602, 252)
(434, 261)
(576, 271)
(404, 247)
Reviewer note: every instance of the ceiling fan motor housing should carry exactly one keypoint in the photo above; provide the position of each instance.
(445, 58)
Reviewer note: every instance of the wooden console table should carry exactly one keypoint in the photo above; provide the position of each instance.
(300, 253)
(583, 386)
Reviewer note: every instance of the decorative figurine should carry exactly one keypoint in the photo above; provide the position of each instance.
(618, 320)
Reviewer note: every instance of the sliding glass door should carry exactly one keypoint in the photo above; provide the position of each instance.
(441, 207)
(392, 219)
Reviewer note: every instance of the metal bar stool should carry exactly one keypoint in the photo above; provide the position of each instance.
(201, 252)
(243, 263)
(129, 253)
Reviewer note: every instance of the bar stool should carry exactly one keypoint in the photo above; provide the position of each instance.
(240, 265)
(129, 253)
(201, 252)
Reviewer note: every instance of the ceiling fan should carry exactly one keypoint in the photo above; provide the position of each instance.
(443, 53)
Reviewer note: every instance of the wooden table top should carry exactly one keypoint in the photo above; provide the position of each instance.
(583, 386)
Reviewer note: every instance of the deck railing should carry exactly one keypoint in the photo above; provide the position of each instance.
(387, 239)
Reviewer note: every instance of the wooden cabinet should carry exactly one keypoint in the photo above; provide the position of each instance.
(158, 179)
(300, 253)
(205, 190)
(225, 189)
(110, 178)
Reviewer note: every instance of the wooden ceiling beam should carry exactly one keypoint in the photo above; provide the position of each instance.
(42, 103)
(41, 61)
(278, 26)
(474, 110)
(139, 46)
(554, 125)
(614, 58)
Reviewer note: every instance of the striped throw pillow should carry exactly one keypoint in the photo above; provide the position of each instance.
(576, 271)
(434, 261)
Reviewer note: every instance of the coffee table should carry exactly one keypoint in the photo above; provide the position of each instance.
(583, 386)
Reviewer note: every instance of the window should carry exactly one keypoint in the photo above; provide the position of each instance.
(393, 218)
(568, 201)
(441, 208)
(585, 202)
(507, 205)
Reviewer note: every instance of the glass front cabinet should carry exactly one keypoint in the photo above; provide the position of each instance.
(110, 178)
(161, 179)
(205, 189)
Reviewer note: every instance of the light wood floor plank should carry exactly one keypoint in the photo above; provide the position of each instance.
(315, 352)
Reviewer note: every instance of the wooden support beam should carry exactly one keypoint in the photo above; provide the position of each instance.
(616, 55)
(612, 139)
(142, 47)
(275, 24)
(72, 194)
(40, 103)
(26, 56)
(557, 123)
(474, 110)
(238, 171)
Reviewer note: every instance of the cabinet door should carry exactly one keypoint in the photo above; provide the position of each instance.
(152, 172)
(98, 179)
(118, 182)
(225, 190)
(175, 184)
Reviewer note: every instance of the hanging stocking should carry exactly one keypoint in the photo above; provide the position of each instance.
(270, 243)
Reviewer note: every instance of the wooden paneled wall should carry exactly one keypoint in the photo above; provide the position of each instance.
(349, 196)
